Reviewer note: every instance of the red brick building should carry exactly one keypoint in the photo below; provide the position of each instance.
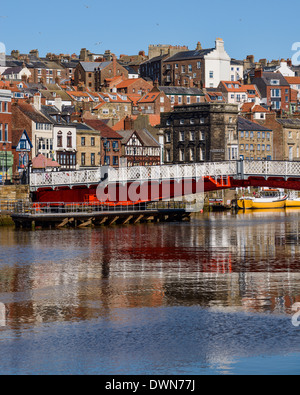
(6, 156)
(134, 86)
(93, 75)
(274, 89)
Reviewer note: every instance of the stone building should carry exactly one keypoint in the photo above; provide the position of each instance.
(110, 144)
(255, 141)
(88, 146)
(200, 132)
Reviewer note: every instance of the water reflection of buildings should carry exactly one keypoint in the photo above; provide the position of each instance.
(248, 262)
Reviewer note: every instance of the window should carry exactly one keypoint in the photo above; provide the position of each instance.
(201, 154)
(168, 137)
(115, 145)
(59, 141)
(182, 122)
(115, 160)
(202, 136)
(179, 99)
(192, 154)
(181, 155)
(202, 120)
(82, 159)
(183, 69)
(192, 136)
(6, 132)
(275, 93)
(190, 68)
(198, 65)
(92, 159)
(211, 74)
(82, 141)
(69, 141)
(181, 136)
(188, 100)
(92, 141)
(168, 155)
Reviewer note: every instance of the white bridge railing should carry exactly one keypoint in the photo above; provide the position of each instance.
(271, 168)
(236, 169)
(135, 173)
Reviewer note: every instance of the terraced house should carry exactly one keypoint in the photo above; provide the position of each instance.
(200, 68)
(255, 141)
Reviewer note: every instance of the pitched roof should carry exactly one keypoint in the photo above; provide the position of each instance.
(181, 90)
(267, 77)
(105, 130)
(149, 97)
(130, 81)
(41, 162)
(293, 80)
(245, 124)
(91, 66)
(197, 54)
(252, 107)
(16, 136)
(143, 135)
(289, 122)
(32, 113)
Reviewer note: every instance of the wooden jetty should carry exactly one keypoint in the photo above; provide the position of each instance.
(82, 215)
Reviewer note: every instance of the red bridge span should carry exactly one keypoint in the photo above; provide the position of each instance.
(153, 183)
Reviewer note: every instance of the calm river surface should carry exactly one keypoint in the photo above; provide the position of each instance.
(210, 296)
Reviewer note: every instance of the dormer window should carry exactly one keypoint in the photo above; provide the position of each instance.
(274, 82)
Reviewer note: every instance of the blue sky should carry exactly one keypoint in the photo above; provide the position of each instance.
(266, 30)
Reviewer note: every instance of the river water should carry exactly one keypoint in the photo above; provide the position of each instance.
(211, 296)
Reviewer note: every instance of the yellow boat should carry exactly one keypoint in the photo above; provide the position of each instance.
(293, 200)
(267, 199)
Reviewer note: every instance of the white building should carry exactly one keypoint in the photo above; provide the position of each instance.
(16, 73)
(217, 65)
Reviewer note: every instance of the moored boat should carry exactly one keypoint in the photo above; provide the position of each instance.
(266, 199)
(293, 200)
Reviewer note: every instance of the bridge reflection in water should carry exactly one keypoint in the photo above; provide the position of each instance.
(248, 262)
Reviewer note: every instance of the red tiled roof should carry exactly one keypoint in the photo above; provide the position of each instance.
(293, 80)
(150, 97)
(251, 107)
(104, 130)
(41, 162)
(154, 119)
